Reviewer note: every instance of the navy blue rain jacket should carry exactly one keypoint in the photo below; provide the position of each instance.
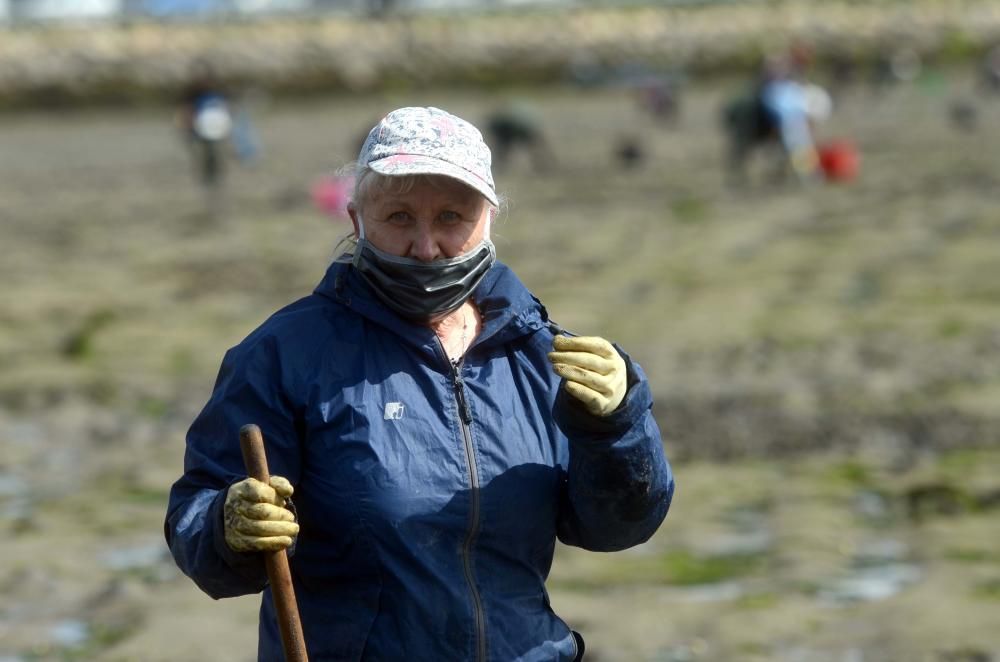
(429, 497)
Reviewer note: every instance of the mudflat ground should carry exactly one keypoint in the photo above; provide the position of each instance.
(825, 360)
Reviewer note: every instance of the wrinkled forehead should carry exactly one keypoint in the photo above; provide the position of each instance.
(372, 187)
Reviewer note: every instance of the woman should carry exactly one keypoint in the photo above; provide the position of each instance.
(437, 432)
(205, 121)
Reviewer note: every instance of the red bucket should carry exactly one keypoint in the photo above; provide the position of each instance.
(839, 160)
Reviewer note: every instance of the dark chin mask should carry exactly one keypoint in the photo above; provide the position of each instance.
(421, 291)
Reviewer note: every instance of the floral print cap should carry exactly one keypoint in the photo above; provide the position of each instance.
(430, 141)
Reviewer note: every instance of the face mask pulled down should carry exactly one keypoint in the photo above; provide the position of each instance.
(422, 291)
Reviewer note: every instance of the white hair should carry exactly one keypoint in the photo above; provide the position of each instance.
(369, 183)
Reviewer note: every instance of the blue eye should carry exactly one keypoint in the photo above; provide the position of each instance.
(449, 217)
(399, 218)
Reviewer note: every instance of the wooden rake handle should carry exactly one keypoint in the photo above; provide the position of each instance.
(278, 573)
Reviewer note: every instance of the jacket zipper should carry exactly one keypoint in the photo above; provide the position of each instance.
(465, 414)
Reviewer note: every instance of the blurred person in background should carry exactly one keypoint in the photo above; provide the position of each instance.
(780, 111)
(660, 96)
(788, 107)
(438, 432)
(990, 71)
(245, 139)
(517, 127)
(204, 117)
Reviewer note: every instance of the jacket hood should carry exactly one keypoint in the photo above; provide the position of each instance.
(508, 309)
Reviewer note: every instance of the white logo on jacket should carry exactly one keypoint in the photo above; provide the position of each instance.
(393, 411)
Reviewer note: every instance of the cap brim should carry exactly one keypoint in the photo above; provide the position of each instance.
(424, 165)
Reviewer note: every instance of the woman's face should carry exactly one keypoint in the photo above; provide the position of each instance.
(437, 218)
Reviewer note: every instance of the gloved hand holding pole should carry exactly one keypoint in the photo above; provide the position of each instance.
(278, 573)
(256, 517)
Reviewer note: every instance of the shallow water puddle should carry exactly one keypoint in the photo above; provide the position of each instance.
(879, 571)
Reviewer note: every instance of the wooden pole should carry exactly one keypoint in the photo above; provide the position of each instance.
(278, 573)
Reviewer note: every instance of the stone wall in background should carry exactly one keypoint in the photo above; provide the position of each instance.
(147, 62)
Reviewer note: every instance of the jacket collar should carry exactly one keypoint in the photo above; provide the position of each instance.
(509, 310)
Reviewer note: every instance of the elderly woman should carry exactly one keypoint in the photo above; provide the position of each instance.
(438, 431)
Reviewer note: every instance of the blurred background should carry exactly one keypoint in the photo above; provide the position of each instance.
(823, 341)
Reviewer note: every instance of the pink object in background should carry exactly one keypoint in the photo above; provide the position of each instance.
(331, 194)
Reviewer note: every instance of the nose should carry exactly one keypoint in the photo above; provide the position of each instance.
(424, 245)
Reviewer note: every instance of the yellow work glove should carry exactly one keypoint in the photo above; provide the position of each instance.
(256, 518)
(594, 371)
(805, 162)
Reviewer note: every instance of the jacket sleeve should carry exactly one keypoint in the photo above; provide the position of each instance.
(619, 483)
(248, 390)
